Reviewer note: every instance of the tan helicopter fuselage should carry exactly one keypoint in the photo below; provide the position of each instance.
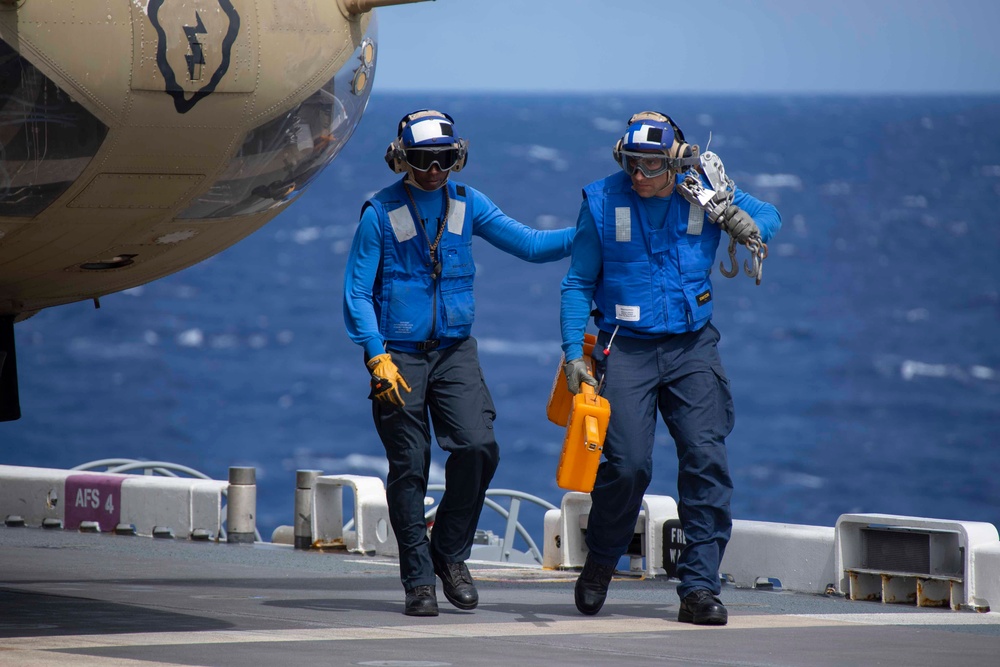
(215, 113)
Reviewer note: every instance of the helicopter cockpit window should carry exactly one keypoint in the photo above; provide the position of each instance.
(46, 139)
(280, 158)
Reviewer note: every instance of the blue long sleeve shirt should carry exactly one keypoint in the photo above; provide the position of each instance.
(489, 222)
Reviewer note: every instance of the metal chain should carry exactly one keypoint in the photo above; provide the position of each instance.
(715, 204)
(758, 253)
(442, 221)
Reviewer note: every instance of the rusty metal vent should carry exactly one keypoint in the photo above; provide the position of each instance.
(896, 550)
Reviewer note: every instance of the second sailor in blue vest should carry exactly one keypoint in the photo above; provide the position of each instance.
(643, 257)
(408, 301)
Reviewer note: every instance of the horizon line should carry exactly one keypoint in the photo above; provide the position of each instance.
(713, 93)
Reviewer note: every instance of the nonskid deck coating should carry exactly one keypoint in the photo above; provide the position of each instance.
(71, 598)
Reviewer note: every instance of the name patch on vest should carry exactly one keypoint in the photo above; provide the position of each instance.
(623, 224)
(703, 298)
(626, 313)
(402, 224)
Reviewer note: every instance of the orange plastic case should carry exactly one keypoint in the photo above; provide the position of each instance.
(585, 417)
(584, 443)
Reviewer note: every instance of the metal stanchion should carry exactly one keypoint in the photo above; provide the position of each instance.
(241, 516)
(305, 480)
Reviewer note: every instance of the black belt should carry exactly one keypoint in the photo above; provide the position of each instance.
(413, 346)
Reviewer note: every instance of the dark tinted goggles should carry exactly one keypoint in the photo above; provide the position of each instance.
(423, 159)
(650, 165)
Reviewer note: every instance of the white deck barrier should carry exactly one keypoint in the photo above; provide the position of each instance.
(986, 561)
(939, 562)
(799, 557)
(181, 505)
(927, 562)
(104, 501)
(564, 544)
(372, 533)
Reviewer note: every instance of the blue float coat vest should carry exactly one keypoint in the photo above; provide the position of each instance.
(654, 281)
(410, 304)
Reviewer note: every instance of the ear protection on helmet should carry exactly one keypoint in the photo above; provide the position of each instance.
(681, 153)
(395, 154)
(395, 157)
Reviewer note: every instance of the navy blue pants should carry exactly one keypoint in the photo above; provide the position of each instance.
(448, 391)
(682, 376)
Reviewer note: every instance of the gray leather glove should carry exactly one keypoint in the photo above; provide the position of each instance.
(577, 373)
(739, 224)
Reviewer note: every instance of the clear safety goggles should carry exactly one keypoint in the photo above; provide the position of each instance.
(422, 159)
(650, 164)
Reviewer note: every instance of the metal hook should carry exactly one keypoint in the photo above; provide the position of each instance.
(734, 267)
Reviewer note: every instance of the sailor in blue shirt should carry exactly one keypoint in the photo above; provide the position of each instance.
(642, 257)
(408, 301)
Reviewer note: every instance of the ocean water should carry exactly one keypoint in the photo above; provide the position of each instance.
(865, 367)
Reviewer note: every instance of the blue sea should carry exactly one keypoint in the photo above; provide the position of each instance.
(865, 367)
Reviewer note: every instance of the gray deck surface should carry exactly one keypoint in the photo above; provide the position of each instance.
(68, 598)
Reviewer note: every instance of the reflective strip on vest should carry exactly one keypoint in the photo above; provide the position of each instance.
(623, 224)
(696, 217)
(456, 216)
(402, 224)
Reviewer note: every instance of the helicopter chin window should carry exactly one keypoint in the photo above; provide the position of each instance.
(46, 139)
(278, 159)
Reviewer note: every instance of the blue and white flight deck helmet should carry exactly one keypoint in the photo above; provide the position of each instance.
(425, 138)
(654, 145)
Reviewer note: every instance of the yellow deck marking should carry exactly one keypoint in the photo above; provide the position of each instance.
(45, 659)
(943, 617)
(440, 628)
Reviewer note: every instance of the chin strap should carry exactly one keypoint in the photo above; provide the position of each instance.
(409, 180)
(714, 202)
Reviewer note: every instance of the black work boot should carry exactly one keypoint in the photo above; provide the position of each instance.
(458, 586)
(702, 607)
(421, 601)
(592, 586)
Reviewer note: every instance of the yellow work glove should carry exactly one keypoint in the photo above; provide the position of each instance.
(386, 380)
